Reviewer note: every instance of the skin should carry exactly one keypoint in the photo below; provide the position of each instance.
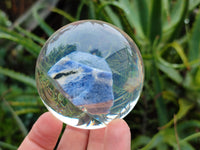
(46, 131)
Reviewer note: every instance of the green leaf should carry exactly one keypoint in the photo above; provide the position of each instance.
(48, 30)
(184, 107)
(4, 19)
(27, 110)
(193, 4)
(157, 139)
(7, 145)
(131, 15)
(19, 41)
(194, 41)
(167, 136)
(160, 105)
(92, 14)
(155, 25)
(80, 7)
(31, 35)
(17, 119)
(189, 124)
(112, 15)
(30, 46)
(18, 76)
(140, 141)
(197, 79)
(166, 8)
(188, 127)
(191, 137)
(172, 26)
(181, 53)
(13, 103)
(178, 48)
(186, 146)
(191, 82)
(171, 73)
(64, 14)
(143, 13)
(119, 18)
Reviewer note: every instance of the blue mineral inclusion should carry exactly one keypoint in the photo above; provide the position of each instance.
(86, 80)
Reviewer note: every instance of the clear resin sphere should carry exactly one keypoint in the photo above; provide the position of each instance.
(88, 73)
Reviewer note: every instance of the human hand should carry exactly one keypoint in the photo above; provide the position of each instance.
(46, 131)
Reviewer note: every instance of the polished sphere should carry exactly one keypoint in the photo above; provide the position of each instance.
(88, 73)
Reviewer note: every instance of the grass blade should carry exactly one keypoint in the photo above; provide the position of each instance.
(184, 108)
(181, 53)
(160, 105)
(191, 137)
(18, 76)
(64, 14)
(48, 30)
(19, 41)
(4, 21)
(92, 14)
(80, 7)
(171, 73)
(156, 140)
(166, 8)
(17, 119)
(155, 26)
(16, 103)
(142, 8)
(172, 28)
(30, 46)
(112, 15)
(27, 110)
(193, 4)
(178, 48)
(31, 35)
(6, 145)
(140, 141)
(194, 42)
(131, 14)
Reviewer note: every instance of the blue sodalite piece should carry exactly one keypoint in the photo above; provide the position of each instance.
(86, 80)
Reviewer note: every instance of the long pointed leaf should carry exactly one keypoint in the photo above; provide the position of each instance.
(160, 105)
(30, 35)
(30, 46)
(17, 119)
(172, 28)
(131, 15)
(178, 48)
(142, 8)
(80, 7)
(115, 19)
(193, 4)
(184, 108)
(7, 145)
(157, 139)
(155, 25)
(48, 30)
(194, 42)
(191, 137)
(64, 14)
(18, 76)
(171, 73)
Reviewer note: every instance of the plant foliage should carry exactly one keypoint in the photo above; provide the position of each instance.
(167, 34)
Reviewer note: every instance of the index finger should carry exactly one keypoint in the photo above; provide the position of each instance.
(44, 134)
